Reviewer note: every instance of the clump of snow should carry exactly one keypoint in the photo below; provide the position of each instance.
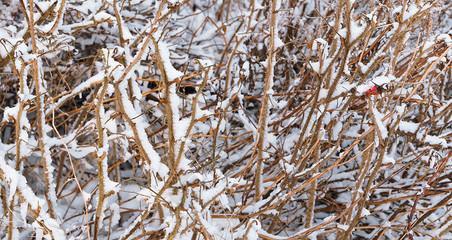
(409, 12)
(435, 140)
(408, 127)
(356, 30)
(321, 67)
(379, 121)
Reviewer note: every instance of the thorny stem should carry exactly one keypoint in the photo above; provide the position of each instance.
(45, 155)
(264, 110)
(101, 159)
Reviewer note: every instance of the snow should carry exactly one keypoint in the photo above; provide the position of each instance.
(318, 40)
(445, 38)
(17, 181)
(278, 42)
(321, 68)
(408, 127)
(363, 67)
(211, 191)
(255, 206)
(356, 30)
(141, 125)
(96, 79)
(44, 5)
(435, 140)
(409, 12)
(253, 229)
(171, 72)
(381, 80)
(336, 130)
(103, 16)
(388, 159)
(377, 81)
(11, 112)
(365, 212)
(379, 121)
(191, 178)
(342, 227)
(7, 42)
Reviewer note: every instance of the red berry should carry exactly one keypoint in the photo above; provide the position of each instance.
(372, 91)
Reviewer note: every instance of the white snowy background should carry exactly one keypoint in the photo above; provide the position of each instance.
(204, 119)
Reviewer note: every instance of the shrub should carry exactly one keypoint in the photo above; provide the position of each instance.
(209, 119)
